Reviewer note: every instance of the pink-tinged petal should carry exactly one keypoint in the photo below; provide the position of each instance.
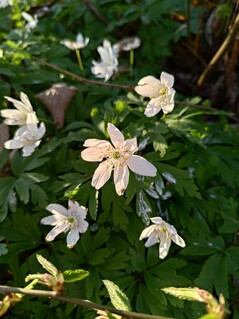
(102, 174)
(57, 209)
(152, 108)
(83, 226)
(147, 232)
(72, 238)
(167, 79)
(178, 240)
(121, 179)
(28, 150)
(164, 247)
(93, 154)
(13, 144)
(148, 86)
(116, 136)
(152, 240)
(131, 145)
(56, 231)
(141, 166)
(94, 142)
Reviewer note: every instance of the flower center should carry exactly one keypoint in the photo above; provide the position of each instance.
(71, 220)
(116, 155)
(163, 90)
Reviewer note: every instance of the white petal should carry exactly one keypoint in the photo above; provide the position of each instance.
(152, 108)
(32, 118)
(164, 247)
(167, 79)
(57, 209)
(152, 240)
(101, 175)
(147, 232)
(116, 136)
(141, 166)
(56, 231)
(121, 179)
(157, 220)
(73, 206)
(168, 108)
(41, 131)
(131, 145)
(94, 142)
(25, 100)
(178, 240)
(92, 154)
(72, 238)
(148, 86)
(50, 220)
(13, 144)
(82, 211)
(19, 105)
(83, 226)
(28, 150)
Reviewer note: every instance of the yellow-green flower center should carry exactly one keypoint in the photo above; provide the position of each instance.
(116, 155)
(163, 91)
(71, 220)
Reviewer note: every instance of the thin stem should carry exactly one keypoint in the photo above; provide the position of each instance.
(77, 301)
(223, 48)
(131, 60)
(79, 59)
(81, 79)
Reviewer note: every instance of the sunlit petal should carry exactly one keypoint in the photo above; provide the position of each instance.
(101, 175)
(121, 179)
(141, 166)
(148, 86)
(116, 136)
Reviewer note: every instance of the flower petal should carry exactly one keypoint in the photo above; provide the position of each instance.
(121, 179)
(92, 154)
(56, 231)
(131, 145)
(83, 226)
(57, 209)
(148, 86)
(152, 108)
(167, 79)
(72, 238)
(28, 150)
(94, 142)
(152, 240)
(52, 220)
(157, 220)
(116, 136)
(147, 232)
(164, 247)
(13, 144)
(141, 166)
(178, 240)
(102, 174)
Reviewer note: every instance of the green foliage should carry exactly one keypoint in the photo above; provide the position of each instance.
(195, 151)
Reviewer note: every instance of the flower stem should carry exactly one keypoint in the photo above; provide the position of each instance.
(79, 59)
(131, 60)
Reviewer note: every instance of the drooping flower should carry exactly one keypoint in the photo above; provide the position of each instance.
(23, 115)
(64, 220)
(118, 157)
(109, 62)
(80, 42)
(162, 233)
(27, 137)
(131, 44)
(32, 21)
(160, 92)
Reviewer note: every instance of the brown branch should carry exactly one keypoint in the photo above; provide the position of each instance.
(96, 13)
(81, 79)
(77, 301)
(223, 48)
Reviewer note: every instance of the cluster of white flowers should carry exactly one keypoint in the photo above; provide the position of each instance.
(117, 157)
(29, 135)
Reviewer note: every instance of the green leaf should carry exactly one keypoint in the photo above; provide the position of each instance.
(118, 298)
(47, 265)
(22, 189)
(93, 203)
(75, 275)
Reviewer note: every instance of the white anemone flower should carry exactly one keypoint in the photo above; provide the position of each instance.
(23, 114)
(160, 92)
(5, 3)
(32, 21)
(109, 62)
(64, 220)
(162, 233)
(132, 43)
(118, 157)
(80, 42)
(27, 137)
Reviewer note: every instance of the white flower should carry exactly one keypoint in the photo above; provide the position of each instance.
(5, 3)
(160, 92)
(32, 21)
(24, 113)
(118, 157)
(80, 42)
(27, 137)
(162, 233)
(64, 220)
(132, 43)
(109, 62)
